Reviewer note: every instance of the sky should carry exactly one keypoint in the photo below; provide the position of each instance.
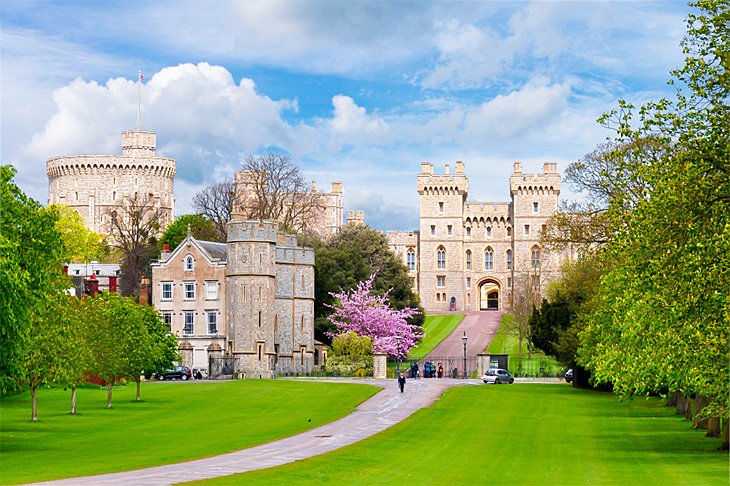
(359, 92)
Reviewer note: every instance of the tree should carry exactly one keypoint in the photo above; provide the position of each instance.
(200, 228)
(270, 186)
(351, 354)
(366, 314)
(134, 228)
(215, 203)
(80, 244)
(659, 320)
(351, 256)
(31, 256)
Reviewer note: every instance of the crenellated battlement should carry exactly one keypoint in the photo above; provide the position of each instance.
(430, 184)
(82, 165)
(547, 183)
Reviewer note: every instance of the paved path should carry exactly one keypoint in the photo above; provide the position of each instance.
(480, 328)
(378, 413)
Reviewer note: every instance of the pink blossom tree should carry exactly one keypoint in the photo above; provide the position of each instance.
(366, 314)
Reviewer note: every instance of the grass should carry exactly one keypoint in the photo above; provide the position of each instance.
(174, 422)
(519, 434)
(435, 330)
(520, 364)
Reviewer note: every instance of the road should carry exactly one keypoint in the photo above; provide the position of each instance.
(480, 328)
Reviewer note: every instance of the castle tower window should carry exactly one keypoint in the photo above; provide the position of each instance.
(189, 263)
(259, 318)
(509, 259)
(77, 195)
(509, 231)
(468, 231)
(411, 259)
(114, 196)
(489, 258)
(433, 229)
(509, 282)
(260, 350)
(441, 281)
(449, 230)
(489, 232)
(468, 282)
(468, 259)
(441, 258)
(527, 230)
(535, 259)
(441, 206)
(535, 207)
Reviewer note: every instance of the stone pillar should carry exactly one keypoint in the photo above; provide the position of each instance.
(380, 366)
(214, 352)
(483, 363)
(186, 354)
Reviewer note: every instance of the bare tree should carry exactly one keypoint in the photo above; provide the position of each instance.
(270, 186)
(216, 204)
(135, 226)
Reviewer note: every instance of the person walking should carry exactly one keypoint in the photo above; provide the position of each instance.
(401, 382)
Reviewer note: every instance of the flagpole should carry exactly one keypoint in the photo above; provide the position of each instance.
(139, 95)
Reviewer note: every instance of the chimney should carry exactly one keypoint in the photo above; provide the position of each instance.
(145, 291)
(92, 285)
(459, 167)
(165, 252)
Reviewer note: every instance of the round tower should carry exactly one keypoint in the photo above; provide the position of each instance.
(94, 185)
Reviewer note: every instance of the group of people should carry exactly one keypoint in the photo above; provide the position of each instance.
(430, 370)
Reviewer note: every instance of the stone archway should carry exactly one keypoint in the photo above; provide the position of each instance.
(490, 294)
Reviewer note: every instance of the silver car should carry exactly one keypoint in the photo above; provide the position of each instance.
(497, 376)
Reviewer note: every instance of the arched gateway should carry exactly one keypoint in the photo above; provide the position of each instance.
(489, 295)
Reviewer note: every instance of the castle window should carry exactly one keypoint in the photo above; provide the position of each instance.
(212, 322)
(489, 231)
(509, 282)
(260, 349)
(114, 196)
(189, 323)
(441, 206)
(535, 259)
(167, 319)
(535, 207)
(468, 259)
(166, 290)
(302, 325)
(438, 297)
(468, 231)
(259, 318)
(441, 281)
(189, 290)
(189, 263)
(509, 259)
(441, 258)
(211, 290)
(527, 230)
(449, 229)
(488, 259)
(411, 259)
(468, 282)
(433, 229)
(509, 231)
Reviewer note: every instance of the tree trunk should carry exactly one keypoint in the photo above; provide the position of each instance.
(725, 436)
(34, 406)
(109, 395)
(684, 406)
(73, 399)
(713, 427)
(672, 399)
(700, 422)
(139, 386)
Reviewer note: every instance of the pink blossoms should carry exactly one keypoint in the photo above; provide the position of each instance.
(370, 315)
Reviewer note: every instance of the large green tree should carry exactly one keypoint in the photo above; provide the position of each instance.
(660, 317)
(351, 256)
(31, 256)
(80, 244)
(199, 227)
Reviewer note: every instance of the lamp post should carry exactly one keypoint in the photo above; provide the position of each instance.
(463, 338)
(397, 352)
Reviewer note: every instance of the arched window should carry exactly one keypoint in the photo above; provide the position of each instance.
(535, 259)
(411, 258)
(441, 258)
(468, 231)
(468, 259)
(489, 258)
(189, 263)
(509, 231)
(509, 259)
(489, 231)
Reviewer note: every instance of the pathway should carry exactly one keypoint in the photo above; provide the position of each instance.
(480, 328)
(374, 415)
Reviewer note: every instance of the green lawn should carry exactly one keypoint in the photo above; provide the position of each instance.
(520, 362)
(435, 330)
(519, 434)
(174, 422)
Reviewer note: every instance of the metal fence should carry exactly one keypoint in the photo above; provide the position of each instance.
(451, 367)
(221, 368)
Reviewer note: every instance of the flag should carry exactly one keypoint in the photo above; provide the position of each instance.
(141, 76)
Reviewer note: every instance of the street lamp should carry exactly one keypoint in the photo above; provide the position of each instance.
(397, 353)
(463, 338)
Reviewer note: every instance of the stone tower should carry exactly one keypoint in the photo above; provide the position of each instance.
(94, 185)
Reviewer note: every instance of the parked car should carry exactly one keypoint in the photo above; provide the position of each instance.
(178, 372)
(569, 375)
(497, 376)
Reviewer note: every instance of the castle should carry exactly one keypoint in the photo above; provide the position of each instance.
(478, 255)
(242, 308)
(96, 185)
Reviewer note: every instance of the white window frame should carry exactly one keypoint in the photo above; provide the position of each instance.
(213, 321)
(167, 319)
(186, 287)
(188, 318)
(189, 263)
(211, 290)
(164, 286)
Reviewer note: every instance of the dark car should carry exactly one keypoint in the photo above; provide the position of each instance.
(177, 373)
(569, 375)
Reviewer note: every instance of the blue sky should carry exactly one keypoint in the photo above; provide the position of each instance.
(358, 92)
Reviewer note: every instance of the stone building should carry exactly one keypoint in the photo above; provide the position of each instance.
(475, 255)
(321, 212)
(95, 185)
(247, 303)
